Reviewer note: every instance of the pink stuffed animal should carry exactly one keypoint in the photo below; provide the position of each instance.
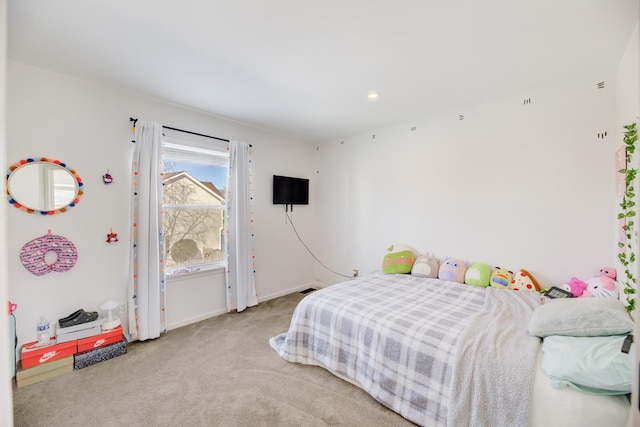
(453, 270)
(603, 285)
(575, 286)
(608, 272)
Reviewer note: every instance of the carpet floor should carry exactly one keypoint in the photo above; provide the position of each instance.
(217, 372)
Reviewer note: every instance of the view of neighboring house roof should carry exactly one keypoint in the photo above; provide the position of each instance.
(211, 186)
(208, 186)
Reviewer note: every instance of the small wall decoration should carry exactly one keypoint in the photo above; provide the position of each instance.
(112, 237)
(107, 178)
(34, 252)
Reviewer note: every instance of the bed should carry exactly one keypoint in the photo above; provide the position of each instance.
(438, 353)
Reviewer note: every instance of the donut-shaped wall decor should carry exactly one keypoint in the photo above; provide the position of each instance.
(33, 254)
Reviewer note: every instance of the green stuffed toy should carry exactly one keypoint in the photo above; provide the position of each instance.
(399, 259)
(478, 275)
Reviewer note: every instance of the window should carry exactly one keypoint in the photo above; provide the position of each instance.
(194, 179)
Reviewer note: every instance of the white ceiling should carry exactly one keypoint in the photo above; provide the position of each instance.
(305, 68)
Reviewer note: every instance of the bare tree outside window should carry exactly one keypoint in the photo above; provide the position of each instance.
(192, 219)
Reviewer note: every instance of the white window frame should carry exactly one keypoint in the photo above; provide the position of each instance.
(193, 148)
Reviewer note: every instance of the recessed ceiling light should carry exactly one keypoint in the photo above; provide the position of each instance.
(373, 95)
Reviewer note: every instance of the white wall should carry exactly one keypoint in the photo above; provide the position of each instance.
(628, 111)
(513, 185)
(87, 126)
(6, 403)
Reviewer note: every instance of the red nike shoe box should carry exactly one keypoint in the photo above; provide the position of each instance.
(31, 355)
(109, 337)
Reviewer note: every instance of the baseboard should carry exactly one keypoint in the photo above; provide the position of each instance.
(204, 316)
(289, 291)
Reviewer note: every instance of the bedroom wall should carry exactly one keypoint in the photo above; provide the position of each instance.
(87, 125)
(628, 110)
(6, 403)
(519, 182)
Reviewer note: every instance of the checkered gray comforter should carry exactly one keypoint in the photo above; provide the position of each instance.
(395, 336)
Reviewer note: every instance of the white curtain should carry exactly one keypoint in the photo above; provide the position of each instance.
(147, 317)
(241, 288)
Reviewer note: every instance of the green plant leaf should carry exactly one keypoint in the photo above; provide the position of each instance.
(628, 210)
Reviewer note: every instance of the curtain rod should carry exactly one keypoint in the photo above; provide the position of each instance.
(131, 119)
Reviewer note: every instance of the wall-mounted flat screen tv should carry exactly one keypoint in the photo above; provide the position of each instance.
(290, 191)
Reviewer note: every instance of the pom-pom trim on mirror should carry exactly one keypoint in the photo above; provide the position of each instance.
(31, 210)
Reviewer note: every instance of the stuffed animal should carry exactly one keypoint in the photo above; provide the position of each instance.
(425, 266)
(603, 285)
(478, 275)
(453, 270)
(500, 278)
(608, 272)
(575, 286)
(399, 259)
(524, 281)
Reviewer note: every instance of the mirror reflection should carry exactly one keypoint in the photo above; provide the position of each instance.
(43, 185)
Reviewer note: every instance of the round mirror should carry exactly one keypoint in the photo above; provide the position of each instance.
(42, 185)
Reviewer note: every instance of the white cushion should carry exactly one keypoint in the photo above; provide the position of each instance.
(593, 365)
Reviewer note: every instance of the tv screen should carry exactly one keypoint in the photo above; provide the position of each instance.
(290, 191)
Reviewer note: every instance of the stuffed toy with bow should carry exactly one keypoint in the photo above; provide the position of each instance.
(604, 285)
(575, 286)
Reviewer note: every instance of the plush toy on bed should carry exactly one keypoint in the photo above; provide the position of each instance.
(425, 266)
(524, 281)
(453, 270)
(575, 286)
(399, 259)
(500, 278)
(604, 285)
(478, 275)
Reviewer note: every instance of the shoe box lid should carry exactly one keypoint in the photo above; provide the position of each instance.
(76, 335)
(32, 355)
(75, 328)
(109, 337)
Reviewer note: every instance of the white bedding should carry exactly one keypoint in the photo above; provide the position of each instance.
(409, 342)
(567, 407)
(494, 363)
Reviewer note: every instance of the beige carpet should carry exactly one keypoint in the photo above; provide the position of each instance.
(218, 372)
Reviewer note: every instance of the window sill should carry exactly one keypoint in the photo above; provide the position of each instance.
(215, 271)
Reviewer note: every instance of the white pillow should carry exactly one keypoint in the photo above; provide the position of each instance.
(580, 317)
(594, 365)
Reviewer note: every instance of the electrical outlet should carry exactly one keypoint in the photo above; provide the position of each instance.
(355, 272)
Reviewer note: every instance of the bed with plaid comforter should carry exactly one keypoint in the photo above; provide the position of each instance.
(397, 336)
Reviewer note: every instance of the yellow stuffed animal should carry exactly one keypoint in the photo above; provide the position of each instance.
(500, 278)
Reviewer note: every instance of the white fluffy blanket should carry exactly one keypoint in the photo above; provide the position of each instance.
(493, 373)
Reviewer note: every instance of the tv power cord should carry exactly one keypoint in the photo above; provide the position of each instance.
(311, 253)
